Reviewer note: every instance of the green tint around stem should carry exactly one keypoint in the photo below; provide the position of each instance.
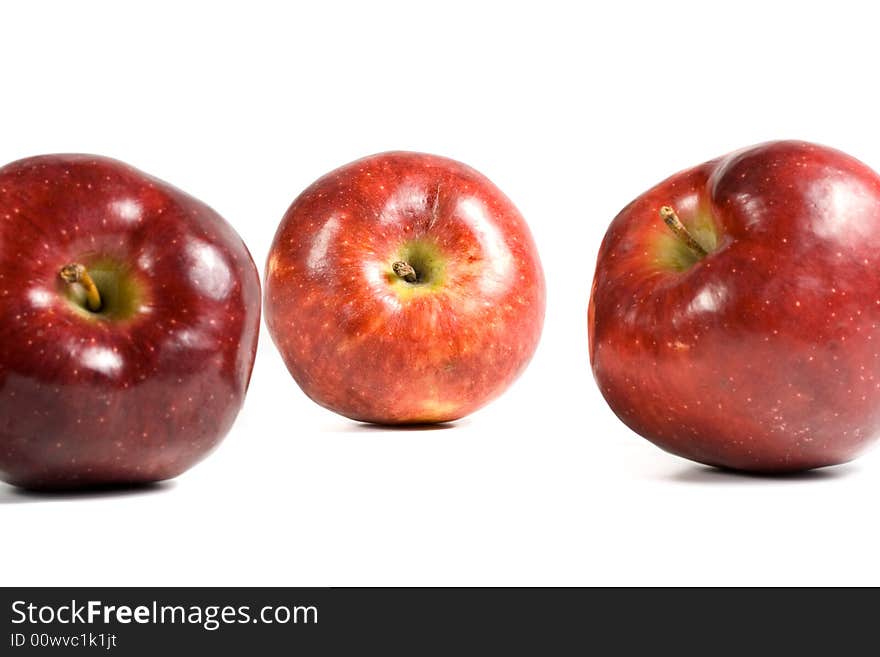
(121, 294)
(418, 268)
(687, 241)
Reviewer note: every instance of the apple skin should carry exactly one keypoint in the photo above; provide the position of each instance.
(369, 345)
(765, 355)
(132, 397)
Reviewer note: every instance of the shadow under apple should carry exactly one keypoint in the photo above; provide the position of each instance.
(705, 474)
(364, 427)
(14, 495)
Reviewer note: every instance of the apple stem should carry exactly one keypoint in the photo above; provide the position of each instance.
(405, 271)
(667, 213)
(76, 273)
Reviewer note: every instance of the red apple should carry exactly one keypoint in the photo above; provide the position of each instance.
(129, 314)
(747, 335)
(404, 288)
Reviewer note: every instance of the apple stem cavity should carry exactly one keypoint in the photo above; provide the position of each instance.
(405, 271)
(667, 213)
(77, 274)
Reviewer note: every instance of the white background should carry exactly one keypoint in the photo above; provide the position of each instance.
(573, 110)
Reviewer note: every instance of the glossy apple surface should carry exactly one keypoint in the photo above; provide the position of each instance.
(145, 386)
(404, 288)
(763, 355)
